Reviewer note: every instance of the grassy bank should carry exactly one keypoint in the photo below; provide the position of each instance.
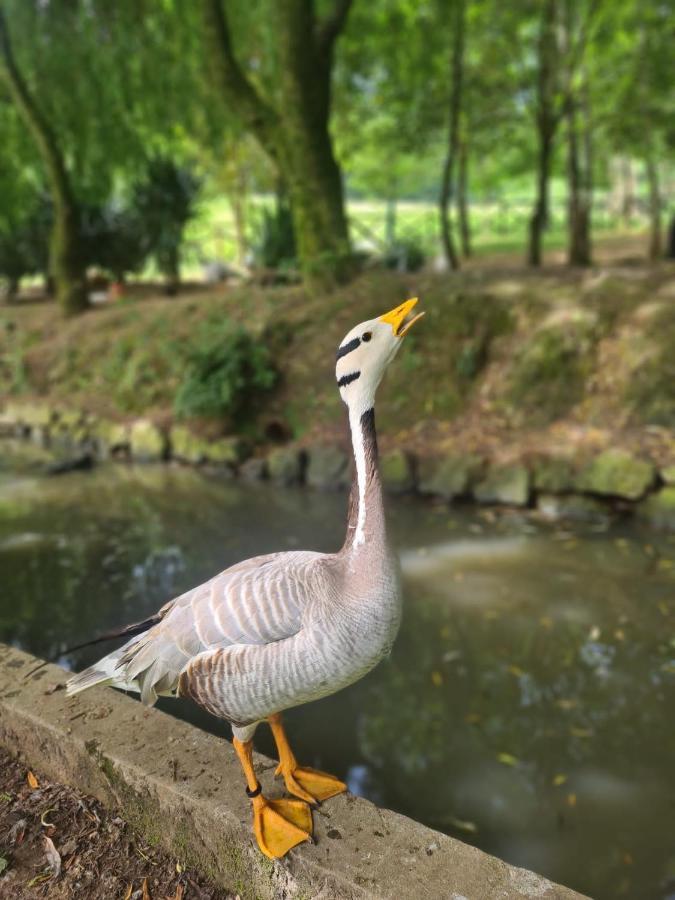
(504, 362)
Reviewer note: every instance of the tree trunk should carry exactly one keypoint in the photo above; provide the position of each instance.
(463, 200)
(448, 187)
(65, 257)
(670, 249)
(11, 289)
(655, 237)
(547, 119)
(390, 222)
(296, 133)
(579, 149)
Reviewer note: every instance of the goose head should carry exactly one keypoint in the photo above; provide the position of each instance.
(366, 351)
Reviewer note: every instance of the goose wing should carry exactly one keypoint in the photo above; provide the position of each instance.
(258, 601)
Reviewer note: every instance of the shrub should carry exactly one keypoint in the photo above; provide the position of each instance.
(226, 372)
(405, 255)
(276, 248)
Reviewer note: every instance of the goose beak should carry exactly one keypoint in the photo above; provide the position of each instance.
(397, 318)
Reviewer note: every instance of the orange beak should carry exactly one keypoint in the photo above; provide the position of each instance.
(397, 318)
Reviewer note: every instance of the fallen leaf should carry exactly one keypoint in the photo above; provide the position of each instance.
(580, 732)
(559, 779)
(4, 863)
(53, 857)
(33, 783)
(43, 821)
(179, 893)
(129, 891)
(146, 892)
(179, 868)
(464, 825)
(507, 759)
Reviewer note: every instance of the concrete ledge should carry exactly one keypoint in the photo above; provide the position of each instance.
(183, 789)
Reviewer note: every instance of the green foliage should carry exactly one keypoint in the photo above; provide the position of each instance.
(227, 370)
(164, 203)
(276, 244)
(406, 255)
(114, 239)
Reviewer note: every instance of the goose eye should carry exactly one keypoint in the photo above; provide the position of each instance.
(366, 336)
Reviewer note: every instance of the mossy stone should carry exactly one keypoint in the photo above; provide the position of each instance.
(148, 442)
(327, 468)
(659, 509)
(397, 472)
(667, 474)
(448, 476)
(508, 485)
(32, 415)
(186, 446)
(617, 473)
(286, 465)
(553, 475)
(227, 451)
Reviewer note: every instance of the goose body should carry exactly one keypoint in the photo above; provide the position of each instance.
(280, 630)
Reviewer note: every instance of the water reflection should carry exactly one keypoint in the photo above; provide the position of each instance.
(527, 706)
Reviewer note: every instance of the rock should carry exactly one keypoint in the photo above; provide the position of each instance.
(29, 414)
(191, 448)
(617, 473)
(659, 509)
(397, 472)
(553, 475)
(254, 469)
(286, 465)
(667, 474)
(572, 507)
(111, 438)
(448, 476)
(226, 451)
(148, 443)
(186, 446)
(327, 468)
(504, 484)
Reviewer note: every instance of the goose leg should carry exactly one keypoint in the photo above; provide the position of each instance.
(278, 825)
(308, 784)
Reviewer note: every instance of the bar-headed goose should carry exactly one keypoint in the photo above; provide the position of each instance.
(277, 631)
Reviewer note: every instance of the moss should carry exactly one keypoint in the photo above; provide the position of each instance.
(617, 473)
(549, 373)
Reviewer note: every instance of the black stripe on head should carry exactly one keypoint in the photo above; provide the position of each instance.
(347, 379)
(348, 347)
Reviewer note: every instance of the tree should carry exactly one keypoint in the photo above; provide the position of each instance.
(291, 123)
(448, 186)
(548, 112)
(66, 263)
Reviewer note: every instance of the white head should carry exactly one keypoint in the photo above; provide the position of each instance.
(366, 351)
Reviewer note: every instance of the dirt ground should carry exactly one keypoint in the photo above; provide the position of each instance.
(58, 844)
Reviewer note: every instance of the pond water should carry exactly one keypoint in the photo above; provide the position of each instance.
(528, 706)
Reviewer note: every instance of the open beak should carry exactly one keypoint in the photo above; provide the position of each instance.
(397, 318)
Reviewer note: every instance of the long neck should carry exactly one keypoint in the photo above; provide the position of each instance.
(365, 521)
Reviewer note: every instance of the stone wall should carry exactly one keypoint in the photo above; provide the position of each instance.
(183, 789)
(593, 489)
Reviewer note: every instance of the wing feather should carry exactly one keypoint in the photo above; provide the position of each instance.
(260, 601)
